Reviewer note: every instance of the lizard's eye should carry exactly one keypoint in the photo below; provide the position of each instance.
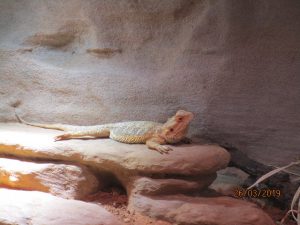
(180, 118)
(171, 129)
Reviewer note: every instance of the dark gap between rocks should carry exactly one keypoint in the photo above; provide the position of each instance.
(172, 176)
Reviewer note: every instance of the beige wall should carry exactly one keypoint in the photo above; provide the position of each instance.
(235, 64)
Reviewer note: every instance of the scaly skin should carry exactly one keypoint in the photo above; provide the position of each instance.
(153, 134)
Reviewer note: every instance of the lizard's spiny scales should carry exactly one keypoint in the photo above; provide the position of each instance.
(133, 132)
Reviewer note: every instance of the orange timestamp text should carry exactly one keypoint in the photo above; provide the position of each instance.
(257, 193)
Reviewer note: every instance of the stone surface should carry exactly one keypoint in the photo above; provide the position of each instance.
(67, 181)
(235, 64)
(228, 180)
(183, 210)
(37, 208)
(123, 160)
(154, 182)
(148, 186)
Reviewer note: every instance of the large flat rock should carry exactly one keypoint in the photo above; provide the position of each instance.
(38, 208)
(106, 154)
(154, 182)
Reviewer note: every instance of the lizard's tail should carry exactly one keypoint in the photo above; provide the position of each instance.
(48, 126)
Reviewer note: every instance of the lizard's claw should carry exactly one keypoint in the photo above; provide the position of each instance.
(61, 137)
(164, 149)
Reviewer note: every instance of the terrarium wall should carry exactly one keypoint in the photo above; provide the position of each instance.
(235, 64)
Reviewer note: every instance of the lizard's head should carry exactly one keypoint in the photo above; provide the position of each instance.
(176, 127)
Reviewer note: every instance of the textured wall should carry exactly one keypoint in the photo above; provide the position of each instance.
(235, 64)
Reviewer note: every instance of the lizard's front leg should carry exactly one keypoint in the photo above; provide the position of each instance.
(156, 144)
(81, 134)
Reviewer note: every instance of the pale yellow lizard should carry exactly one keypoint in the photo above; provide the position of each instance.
(154, 135)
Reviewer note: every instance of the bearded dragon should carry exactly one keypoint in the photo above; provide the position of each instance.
(154, 135)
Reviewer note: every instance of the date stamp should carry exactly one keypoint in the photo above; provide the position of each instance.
(257, 193)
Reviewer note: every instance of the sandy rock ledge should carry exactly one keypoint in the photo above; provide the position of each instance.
(37, 208)
(155, 183)
(67, 181)
(122, 160)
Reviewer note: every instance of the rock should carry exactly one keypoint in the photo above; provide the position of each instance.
(67, 181)
(126, 220)
(64, 36)
(183, 210)
(154, 182)
(148, 186)
(36, 208)
(123, 160)
(228, 180)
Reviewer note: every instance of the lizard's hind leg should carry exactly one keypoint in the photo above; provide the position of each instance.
(94, 133)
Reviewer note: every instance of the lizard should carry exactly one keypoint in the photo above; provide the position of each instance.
(154, 135)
